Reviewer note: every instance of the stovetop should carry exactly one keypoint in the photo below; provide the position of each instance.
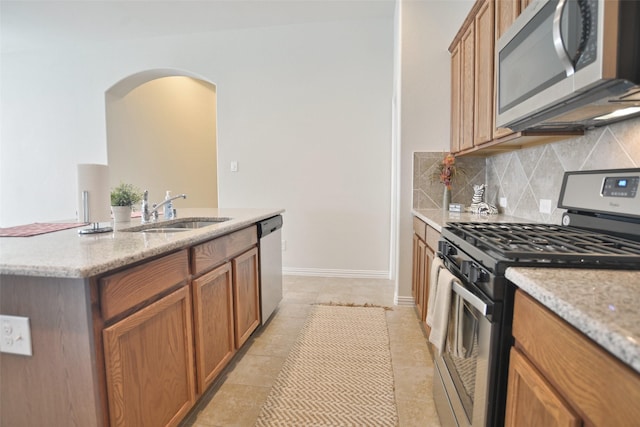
(530, 244)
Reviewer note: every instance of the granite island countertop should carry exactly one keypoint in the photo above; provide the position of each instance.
(602, 304)
(66, 254)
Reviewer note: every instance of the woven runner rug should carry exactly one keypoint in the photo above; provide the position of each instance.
(338, 373)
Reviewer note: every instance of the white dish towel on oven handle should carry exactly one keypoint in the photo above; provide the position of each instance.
(440, 305)
(436, 265)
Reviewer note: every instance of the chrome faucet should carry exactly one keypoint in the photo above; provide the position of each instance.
(151, 215)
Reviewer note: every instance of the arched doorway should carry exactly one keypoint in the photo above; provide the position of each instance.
(162, 135)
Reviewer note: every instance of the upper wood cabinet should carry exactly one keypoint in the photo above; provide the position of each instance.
(474, 83)
(484, 122)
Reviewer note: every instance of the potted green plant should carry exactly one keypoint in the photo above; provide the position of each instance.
(123, 197)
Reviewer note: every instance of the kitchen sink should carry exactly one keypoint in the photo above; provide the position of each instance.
(173, 226)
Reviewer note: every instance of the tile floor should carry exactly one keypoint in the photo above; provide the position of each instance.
(236, 398)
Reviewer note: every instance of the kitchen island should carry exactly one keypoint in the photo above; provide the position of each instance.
(121, 323)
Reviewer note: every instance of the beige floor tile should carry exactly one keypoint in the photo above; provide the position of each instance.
(255, 370)
(233, 405)
(245, 384)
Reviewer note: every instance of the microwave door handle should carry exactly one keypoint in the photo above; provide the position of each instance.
(472, 299)
(558, 43)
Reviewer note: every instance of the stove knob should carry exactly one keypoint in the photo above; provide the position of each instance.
(476, 274)
(446, 249)
(465, 268)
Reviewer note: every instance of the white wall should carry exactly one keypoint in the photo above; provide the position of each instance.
(303, 109)
(426, 29)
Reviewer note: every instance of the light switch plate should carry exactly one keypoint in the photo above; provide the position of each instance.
(234, 166)
(503, 202)
(15, 335)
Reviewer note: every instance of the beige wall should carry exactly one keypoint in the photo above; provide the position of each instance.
(162, 136)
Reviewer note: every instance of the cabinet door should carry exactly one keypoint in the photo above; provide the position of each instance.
(415, 271)
(468, 85)
(213, 323)
(428, 259)
(246, 295)
(531, 401)
(506, 11)
(149, 364)
(456, 100)
(422, 280)
(484, 121)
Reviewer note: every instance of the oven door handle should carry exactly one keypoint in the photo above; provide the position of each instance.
(474, 300)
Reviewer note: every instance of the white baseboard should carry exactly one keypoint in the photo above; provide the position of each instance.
(405, 301)
(317, 272)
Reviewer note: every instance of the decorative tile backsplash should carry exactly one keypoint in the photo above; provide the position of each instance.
(428, 192)
(525, 176)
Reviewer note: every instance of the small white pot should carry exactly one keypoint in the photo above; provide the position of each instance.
(121, 213)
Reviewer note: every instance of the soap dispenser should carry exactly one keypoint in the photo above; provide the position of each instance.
(168, 206)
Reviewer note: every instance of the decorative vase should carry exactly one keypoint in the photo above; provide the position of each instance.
(446, 199)
(121, 213)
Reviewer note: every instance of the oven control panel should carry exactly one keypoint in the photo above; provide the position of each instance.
(626, 186)
(612, 192)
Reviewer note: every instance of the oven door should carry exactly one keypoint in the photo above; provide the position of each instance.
(461, 384)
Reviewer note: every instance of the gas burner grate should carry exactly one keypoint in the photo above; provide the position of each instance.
(551, 243)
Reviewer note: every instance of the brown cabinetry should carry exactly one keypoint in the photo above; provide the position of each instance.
(246, 295)
(425, 244)
(473, 83)
(213, 323)
(559, 377)
(149, 364)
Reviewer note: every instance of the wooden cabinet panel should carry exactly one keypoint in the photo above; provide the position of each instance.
(467, 87)
(484, 121)
(524, 4)
(213, 324)
(532, 402)
(420, 228)
(246, 294)
(149, 364)
(214, 252)
(124, 290)
(456, 98)
(425, 244)
(597, 385)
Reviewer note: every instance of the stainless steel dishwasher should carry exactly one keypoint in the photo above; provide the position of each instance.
(270, 246)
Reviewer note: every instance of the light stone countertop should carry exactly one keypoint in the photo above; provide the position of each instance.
(67, 254)
(437, 218)
(602, 304)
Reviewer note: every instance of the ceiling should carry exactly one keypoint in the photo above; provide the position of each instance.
(28, 24)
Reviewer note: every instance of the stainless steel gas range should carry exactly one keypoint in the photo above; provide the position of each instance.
(600, 229)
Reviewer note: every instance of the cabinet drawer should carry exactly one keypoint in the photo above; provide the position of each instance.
(126, 289)
(420, 228)
(432, 238)
(605, 390)
(216, 251)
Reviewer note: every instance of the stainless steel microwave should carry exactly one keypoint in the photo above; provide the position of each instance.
(569, 64)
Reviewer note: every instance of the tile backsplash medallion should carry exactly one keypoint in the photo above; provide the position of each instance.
(525, 176)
